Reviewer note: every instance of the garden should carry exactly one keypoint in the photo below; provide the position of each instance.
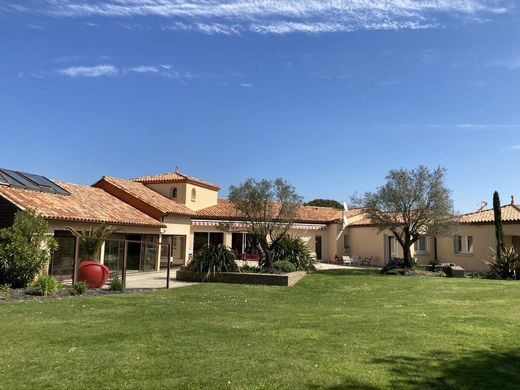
(335, 329)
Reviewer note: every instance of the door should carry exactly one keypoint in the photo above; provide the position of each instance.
(318, 248)
(390, 251)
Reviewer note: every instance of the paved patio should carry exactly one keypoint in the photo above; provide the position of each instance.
(153, 280)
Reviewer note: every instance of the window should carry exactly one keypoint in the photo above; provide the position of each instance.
(193, 195)
(346, 241)
(201, 239)
(421, 245)
(463, 244)
(174, 192)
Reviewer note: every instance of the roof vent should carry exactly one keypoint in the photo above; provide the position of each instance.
(512, 200)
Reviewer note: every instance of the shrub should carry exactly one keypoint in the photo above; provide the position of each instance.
(25, 248)
(116, 284)
(5, 292)
(79, 288)
(295, 251)
(213, 259)
(395, 264)
(45, 285)
(284, 266)
(506, 266)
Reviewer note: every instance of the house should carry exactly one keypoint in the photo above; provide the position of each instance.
(166, 218)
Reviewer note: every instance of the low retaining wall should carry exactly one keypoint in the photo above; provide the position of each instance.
(285, 280)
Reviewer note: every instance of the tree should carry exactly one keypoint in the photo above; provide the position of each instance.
(499, 229)
(92, 239)
(411, 204)
(270, 207)
(325, 203)
(25, 248)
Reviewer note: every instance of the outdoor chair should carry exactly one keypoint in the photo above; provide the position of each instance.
(354, 260)
(367, 261)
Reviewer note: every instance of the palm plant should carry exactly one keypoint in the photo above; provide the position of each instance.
(504, 265)
(213, 259)
(92, 239)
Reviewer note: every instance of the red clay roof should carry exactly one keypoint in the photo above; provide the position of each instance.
(84, 204)
(310, 214)
(175, 177)
(510, 213)
(149, 196)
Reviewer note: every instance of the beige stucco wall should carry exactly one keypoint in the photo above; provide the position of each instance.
(179, 226)
(204, 196)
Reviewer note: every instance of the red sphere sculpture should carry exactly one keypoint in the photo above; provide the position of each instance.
(95, 274)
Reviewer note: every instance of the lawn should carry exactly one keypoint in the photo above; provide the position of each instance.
(335, 329)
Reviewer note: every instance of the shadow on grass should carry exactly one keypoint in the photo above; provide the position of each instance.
(349, 272)
(444, 370)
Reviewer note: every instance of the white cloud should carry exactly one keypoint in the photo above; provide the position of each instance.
(90, 71)
(516, 148)
(233, 17)
(246, 85)
(145, 69)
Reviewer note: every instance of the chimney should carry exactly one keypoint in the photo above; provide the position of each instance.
(512, 200)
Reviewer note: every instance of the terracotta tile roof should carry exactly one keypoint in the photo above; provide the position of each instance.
(84, 204)
(175, 177)
(510, 213)
(310, 214)
(149, 196)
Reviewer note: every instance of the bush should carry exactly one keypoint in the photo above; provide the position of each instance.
(284, 266)
(116, 284)
(213, 259)
(79, 288)
(506, 266)
(396, 264)
(45, 285)
(25, 248)
(295, 251)
(5, 292)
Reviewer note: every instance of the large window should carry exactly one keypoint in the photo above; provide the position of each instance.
(463, 244)
(244, 243)
(201, 239)
(114, 253)
(62, 263)
(421, 245)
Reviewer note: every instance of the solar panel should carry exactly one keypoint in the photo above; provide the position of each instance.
(30, 181)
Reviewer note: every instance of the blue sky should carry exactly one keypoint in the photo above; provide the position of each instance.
(327, 94)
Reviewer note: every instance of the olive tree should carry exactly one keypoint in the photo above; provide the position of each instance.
(270, 207)
(411, 204)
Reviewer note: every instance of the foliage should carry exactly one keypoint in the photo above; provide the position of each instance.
(25, 248)
(116, 284)
(5, 292)
(506, 266)
(411, 204)
(270, 207)
(93, 238)
(79, 288)
(45, 285)
(398, 263)
(325, 203)
(249, 269)
(213, 259)
(499, 229)
(284, 266)
(294, 250)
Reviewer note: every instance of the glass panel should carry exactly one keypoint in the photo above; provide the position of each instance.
(216, 238)
(179, 250)
(200, 240)
(236, 243)
(114, 254)
(150, 257)
(470, 244)
(63, 258)
(252, 244)
(165, 251)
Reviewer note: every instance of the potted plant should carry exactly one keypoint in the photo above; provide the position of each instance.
(90, 271)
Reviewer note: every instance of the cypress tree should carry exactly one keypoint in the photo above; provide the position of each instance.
(499, 229)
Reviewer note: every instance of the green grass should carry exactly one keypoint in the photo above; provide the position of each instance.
(333, 330)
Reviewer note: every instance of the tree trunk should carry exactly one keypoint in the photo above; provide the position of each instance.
(407, 255)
